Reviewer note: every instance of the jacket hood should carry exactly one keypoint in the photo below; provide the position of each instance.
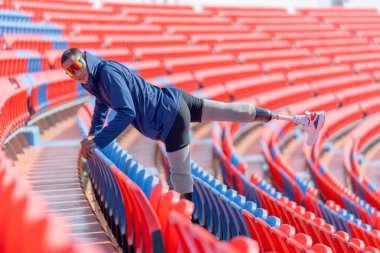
(93, 63)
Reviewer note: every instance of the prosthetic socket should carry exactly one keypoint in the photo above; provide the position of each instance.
(263, 115)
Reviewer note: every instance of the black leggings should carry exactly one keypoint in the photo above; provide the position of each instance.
(190, 110)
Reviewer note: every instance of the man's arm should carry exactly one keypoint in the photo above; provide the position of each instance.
(121, 102)
(99, 117)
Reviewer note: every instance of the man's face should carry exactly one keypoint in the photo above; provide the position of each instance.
(76, 68)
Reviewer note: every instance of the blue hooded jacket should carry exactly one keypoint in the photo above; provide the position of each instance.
(150, 109)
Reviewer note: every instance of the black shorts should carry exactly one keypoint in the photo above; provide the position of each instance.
(190, 110)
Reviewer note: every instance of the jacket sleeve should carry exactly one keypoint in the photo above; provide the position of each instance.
(121, 102)
(99, 116)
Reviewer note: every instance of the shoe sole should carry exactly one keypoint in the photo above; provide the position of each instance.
(321, 123)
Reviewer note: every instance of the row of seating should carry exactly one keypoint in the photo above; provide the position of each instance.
(295, 19)
(39, 7)
(224, 213)
(48, 89)
(297, 220)
(155, 221)
(163, 12)
(90, 18)
(230, 157)
(257, 227)
(362, 185)
(44, 42)
(272, 86)
(15, 16)
(281, 130)
(333, 190)
(130, 10)
(369, 34)
(107, 29)
(132, 42)
(211, 39)
(21, 61)
(30, 28)
(241, 47)
(303, 108)
(23, 215)
(157, 49)
(165, 21)
(355, 113)
(13, 108)
(157, 6)
(278, 13)
(325, 43)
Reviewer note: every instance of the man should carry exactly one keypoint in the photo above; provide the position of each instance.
(158, 113)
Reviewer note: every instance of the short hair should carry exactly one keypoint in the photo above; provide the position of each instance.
(68, 53)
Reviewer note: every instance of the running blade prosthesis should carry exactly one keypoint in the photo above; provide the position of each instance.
(311, 122)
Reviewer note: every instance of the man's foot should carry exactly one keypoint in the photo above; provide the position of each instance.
(312, 122)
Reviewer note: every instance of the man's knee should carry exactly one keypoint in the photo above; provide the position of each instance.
(181, 180)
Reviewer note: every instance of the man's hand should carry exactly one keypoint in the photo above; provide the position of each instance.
(87, 145)
(89, 137)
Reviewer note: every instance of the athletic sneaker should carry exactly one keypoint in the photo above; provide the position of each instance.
(312, 122)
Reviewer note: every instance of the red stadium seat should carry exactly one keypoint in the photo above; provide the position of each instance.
(340, 83)
(163, 11)
(38, 8)
(285, 66)
(216, 92)
(198, 62)
(184, 80)
(359, 27)
(320, 248)
(346, 50)
(295, 28)
(294, 19)
(147, 228)
(147, 69)
(105, 29)
(258, 12)
(211, 39)
(325, 103)
(165, 21)
(158, 40)
(357, 94)
(293, 37)
(370, 106)
(240, 47)
(279, 239)
(114, 54)
(243, 244)
(88, 18)
(244, 88)
(148, 6)
(326, 43)
(204, 29)
(284, 96)
(369, 34)
(310, 76)
(357, 58)
(208, 77)
(160, 53)
(266, 56)
(367, 67)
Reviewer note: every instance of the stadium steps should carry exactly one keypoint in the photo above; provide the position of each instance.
(53, 170)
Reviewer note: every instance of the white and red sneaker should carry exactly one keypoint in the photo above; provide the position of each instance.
(312, 122)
